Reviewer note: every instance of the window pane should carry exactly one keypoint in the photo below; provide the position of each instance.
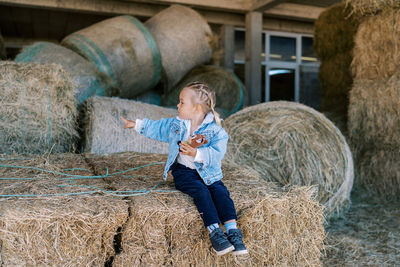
(310, 88)
(263, 48)
(281, 84)
(239, 45)
(307, 51)
(282, 48)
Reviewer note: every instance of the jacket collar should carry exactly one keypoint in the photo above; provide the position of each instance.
(208, 119)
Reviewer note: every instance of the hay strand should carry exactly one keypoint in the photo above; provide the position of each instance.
(371, 7)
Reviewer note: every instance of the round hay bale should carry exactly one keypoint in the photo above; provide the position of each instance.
(150, 97)
(334, 31)
(122, 48)
(185, 41)
(292, 144)
(230, 91)
(377, 46)
(37, 108)
(103, 128)
(89, 80)
(3, 53)
(368, 7)
(374, 113)
(378, 171)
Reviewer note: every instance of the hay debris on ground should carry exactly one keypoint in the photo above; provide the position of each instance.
(292, 144)
(37, 108)
(104, 130)
(50, 220)
(281, 227)
(185, 40)
(369, 234)
(371, 7)
(377, 46)
(229, 90)
(88, 79)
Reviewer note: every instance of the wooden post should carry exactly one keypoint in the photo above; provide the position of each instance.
(228, 44)
(253, 56)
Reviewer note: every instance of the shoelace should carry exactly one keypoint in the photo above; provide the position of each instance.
(235, 237)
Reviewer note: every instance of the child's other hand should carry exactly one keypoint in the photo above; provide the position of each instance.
(128, 123)
(187, 149)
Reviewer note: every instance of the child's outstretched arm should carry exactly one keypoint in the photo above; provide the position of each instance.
(128, 123)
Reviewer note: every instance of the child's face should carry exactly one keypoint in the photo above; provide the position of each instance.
(186, 106)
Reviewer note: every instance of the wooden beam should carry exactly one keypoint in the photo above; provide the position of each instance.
(262, 5)
(295, 12)
(253, 56)
(93, 6)
(228, 45)
(225, 5)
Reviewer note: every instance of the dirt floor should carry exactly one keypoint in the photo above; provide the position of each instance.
(369, 235)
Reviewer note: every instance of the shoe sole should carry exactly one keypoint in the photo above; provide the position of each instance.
(223, 252)
(240, 252)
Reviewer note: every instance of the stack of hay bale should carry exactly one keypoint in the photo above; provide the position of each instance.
(334, 35)
(374, 111)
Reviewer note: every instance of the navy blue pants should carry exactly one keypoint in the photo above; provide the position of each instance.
(212, 201)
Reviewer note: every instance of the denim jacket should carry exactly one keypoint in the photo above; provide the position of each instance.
(172, 130)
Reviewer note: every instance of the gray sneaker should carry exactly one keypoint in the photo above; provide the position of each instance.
(220, 242)
(235, 237)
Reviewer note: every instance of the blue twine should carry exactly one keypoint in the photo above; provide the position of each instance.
(71, 178)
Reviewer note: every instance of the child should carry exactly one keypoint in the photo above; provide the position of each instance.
(197, 172)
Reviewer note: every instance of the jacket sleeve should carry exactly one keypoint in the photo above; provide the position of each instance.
(157, 130)
(216, 150)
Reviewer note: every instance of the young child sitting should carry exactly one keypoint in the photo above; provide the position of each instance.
(197, 171)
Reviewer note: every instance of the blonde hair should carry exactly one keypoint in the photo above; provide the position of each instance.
(205, 97)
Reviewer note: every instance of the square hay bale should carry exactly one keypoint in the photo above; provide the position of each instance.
(281, 227)
(102, 121)
(50, 219)
(37, 109)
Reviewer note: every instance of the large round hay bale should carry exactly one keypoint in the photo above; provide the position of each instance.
(368, 7)
(374, 113)
(184, 38)
(334, 31)
(37, 108)
(230, 91)
(104, 131)
(3, 54)
(377, 46)
(292, 144)
(122, 48)
(89, 80)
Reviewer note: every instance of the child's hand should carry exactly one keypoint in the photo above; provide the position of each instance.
(128, 123)
(186, 149)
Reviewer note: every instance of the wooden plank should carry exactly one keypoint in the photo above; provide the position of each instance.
(253, 59)
(295, 12)
(228, 45)
(262, 5)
